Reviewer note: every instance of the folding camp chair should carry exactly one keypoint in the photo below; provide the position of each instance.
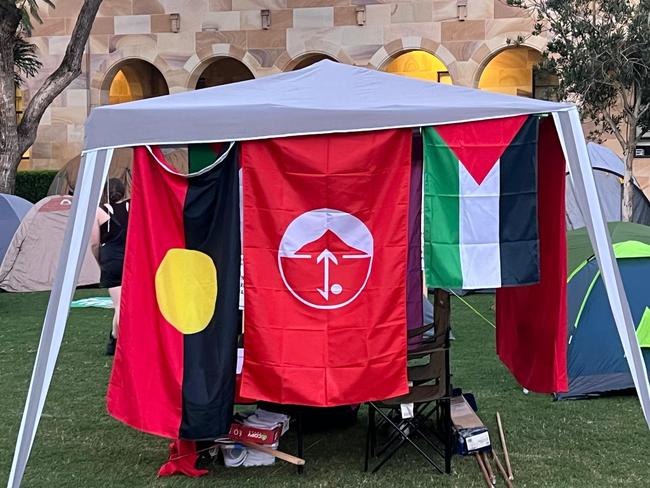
(428, 430)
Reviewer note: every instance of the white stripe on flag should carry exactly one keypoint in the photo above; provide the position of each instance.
(480, 255)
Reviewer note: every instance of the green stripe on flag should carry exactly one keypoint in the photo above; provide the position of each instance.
(441, 213)
(200, 156)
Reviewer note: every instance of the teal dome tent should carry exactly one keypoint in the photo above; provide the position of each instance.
(596, 362)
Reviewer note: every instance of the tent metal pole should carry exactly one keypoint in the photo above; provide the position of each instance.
(570, 129)
(90, 180)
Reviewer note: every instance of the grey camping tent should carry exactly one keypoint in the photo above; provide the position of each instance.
(323, 98)
(120, 168)
(12, 211)
(33, 253)
(608, 171)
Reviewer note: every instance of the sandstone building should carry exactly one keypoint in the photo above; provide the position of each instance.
(146, 48)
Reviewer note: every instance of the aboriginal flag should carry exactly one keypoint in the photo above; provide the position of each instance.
(174, 368)
(326, 245)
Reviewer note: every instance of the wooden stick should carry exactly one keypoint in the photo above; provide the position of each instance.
(502, 437)
(501, 469)
(273, 452)
(493, 479)
(486, 477)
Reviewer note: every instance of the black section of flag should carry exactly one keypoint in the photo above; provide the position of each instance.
(211, 221)
(518, 229)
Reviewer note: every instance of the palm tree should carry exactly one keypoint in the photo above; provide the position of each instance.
(18, 61)
(26, 63)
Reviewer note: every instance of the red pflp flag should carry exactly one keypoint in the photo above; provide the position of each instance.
(325, 259)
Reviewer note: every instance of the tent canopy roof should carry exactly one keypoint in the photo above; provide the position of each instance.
(325, 97)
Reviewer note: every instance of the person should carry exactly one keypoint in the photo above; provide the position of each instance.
(108, 241)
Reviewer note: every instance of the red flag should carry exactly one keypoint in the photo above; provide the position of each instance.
(325, 260)
(182, 460)
(532, 320)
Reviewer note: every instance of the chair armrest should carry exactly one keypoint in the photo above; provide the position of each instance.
(419, 331)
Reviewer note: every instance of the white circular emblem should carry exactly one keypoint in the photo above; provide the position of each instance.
(325, 258)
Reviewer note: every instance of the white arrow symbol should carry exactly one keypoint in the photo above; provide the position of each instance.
(327, 256)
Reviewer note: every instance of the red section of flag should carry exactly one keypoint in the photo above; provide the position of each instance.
(532, 320)
(495, 135)
(325, 253)
(182, 460)
(145, 389)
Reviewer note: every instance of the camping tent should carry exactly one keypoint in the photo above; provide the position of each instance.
(120, 167)
(64, 181)
(608, 170)
(32, 255)
(12, 211)
(596, 361)
(323, 98)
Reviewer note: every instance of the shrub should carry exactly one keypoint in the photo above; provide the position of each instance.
(33, 185)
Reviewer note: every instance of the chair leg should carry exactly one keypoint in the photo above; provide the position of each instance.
(301, 438)
(368, 438)
(373, 431)
(405, 438)
(449, 437)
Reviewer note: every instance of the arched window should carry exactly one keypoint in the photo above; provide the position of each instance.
(514, 71)
(222, 71)
(134, 79)
(20, 107)
(309, 59)
(421, 65)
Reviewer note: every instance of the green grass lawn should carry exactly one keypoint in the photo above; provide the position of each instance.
(601, 442)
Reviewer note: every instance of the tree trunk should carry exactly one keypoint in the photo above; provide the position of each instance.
(9, 161)
(9, 21)
(628, 186)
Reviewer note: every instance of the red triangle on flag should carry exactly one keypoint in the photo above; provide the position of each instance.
(479, 145)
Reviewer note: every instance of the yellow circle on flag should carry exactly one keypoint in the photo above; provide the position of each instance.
(186, 289)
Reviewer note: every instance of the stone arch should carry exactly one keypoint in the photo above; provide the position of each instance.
(199, 62)
(103, 76)
(513, 70)
(308, 59)
(288, 60)
(384, 55)
(490, 48)
(220, 70)
(132, 79)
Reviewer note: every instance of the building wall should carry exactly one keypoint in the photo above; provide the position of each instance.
(209, 29)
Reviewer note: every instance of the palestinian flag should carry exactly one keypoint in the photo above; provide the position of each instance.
(480, 204)
(174, 369)
(326, 249)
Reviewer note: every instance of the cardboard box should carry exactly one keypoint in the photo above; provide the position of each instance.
(241, 432)
(472, 434)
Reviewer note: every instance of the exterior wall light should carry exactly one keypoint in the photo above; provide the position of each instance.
(361, 15)
(462, 9)
(175, 20)
(266, 19)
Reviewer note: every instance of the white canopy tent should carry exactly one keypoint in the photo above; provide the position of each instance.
(324, 98)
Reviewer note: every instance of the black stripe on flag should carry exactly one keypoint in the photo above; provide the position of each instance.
(211, 221)
(518, 226)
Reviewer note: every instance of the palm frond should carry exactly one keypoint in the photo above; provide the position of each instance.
(29, 10)
(26, 62)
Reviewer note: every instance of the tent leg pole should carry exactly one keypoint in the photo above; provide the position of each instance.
(573, 142)
(92, 173)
